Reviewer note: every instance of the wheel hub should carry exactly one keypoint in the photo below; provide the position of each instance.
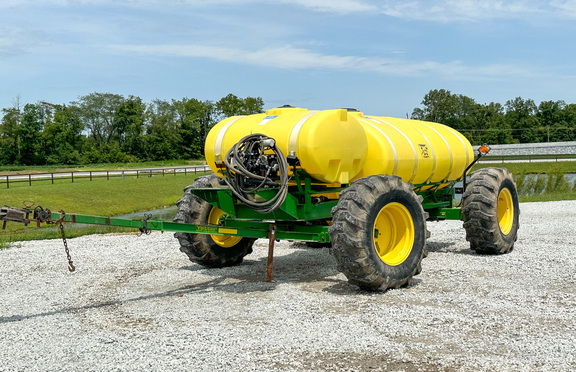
(393, 234)
(225, 241)
(505, 211)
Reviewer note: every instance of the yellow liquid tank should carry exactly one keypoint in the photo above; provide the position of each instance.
(338, 146)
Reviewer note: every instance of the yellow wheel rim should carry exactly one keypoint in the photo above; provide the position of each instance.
(393, 234)
(225, 241)
(505, 211)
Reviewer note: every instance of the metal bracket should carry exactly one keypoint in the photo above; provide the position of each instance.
(482, 150)
(271, 238)
(14, 215)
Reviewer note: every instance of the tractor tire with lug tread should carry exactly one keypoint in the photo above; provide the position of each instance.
(208, 250)
(379, 233)
(490, 211)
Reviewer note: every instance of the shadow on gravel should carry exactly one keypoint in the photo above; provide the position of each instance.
(314, 268)
(300, 266)
(443, 247)
(196, 288)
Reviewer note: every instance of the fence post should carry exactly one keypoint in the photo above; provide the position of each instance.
(185, 171)
(7, 181)
(52, 177)
(136, 173)
(122, 175)
(30, 180)
(90, 175)
(107, 175)
(72, 174)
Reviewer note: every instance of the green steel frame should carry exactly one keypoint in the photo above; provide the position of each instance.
(304, 216)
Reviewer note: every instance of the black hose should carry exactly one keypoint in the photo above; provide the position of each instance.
(257, 153)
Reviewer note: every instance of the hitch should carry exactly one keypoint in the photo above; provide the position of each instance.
(11, 214)
(39, 215)
(14, 215)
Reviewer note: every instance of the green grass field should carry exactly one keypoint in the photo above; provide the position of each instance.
(117, 197)
(13, 169)
(533, 168)
(560, 189)
(99, 197)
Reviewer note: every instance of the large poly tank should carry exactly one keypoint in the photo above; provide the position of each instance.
(331, 145)
(338, 146)
(419, 152)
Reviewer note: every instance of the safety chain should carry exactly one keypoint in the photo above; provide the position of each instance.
(60, 223)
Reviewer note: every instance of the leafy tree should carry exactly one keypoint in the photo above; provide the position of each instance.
(106, 127)
(570, 117)
(521, 115)
(555, 119)
(193, 118)
(440, 106)
(63, 136)
(9, 136)
(489, 120)
(232, 105)
(128, 125)
(162, 135)
(98, 112)
(31, 151)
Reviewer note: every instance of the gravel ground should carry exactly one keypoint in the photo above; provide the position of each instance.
(136, 303)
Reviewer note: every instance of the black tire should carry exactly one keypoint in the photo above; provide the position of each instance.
(490, 211)
(204, 249)
(370, 259)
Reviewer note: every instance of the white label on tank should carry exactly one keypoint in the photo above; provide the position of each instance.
(447, 146)
(395, 171)
(415, 169)
(267, 119)
(458, 135)
(296, 130)
(220, 138)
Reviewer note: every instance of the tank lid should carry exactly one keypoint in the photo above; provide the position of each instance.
(282, 110)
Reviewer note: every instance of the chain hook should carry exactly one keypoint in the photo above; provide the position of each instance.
(60, 223)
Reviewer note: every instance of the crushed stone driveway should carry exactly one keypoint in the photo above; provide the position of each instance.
(137, 303)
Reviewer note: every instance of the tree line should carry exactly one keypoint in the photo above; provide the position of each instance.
(111, 128)
(517, 121)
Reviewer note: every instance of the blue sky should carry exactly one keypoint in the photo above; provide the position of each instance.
(380, 57)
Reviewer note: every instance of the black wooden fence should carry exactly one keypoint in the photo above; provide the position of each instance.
(29, 178)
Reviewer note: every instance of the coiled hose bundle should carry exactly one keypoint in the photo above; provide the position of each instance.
(252, 164)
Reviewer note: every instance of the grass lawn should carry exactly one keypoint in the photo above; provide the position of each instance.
(99, 197)
(533, 168)
(15, 169)
(116, 196)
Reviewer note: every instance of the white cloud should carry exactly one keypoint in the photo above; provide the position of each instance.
(335, 6)
(18, 41)
(461, 10)
(288, 57)
(568, 7)
(430, 10)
